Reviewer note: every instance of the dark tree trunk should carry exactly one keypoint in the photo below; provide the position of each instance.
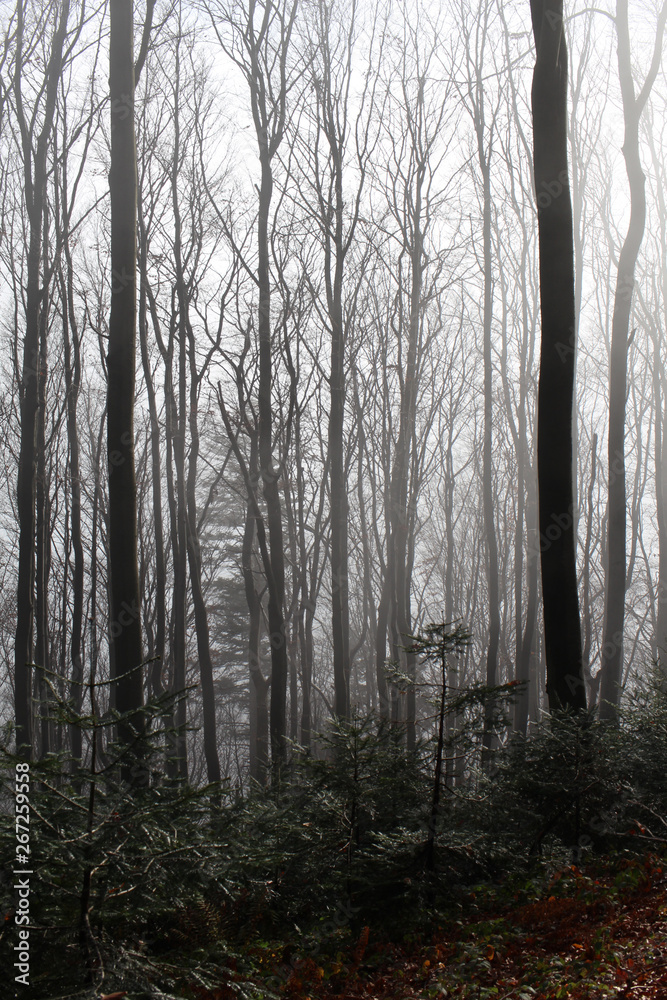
(123, 564)
(562, 625)
(339, 505)
(43, 544)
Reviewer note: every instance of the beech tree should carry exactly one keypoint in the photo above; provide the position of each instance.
(258, 41)
(35, 127)
(484, 121)
(125, 597)
(616, 570)
(562, 624)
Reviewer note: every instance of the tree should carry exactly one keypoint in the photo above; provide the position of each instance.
(615, 589)
(121, 362)
(484, 134)
(435, 643)
(336, 155)
(259, 44)
(562, 624)
(35, 127)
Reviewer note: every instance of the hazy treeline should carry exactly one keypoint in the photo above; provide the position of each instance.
(338, 345)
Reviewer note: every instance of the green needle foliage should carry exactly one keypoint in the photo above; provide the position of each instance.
(156, 888)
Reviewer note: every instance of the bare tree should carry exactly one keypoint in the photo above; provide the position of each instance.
(124, 573)
(335, 155)
(35, 126)
(616, 570)
(476, 102)
(258, 40)
(562, 624)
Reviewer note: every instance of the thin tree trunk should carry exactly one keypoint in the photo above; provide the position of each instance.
(593, 682)
(269, 476)
(488, 737)
(35, 177)
(400, 511)
(195, 562)
(177, 763)
(307, 602)
(615, 582)
(523, 673)
(43, 541)
(72, 359)
(157, 688)
(259, 743)
(386, 693)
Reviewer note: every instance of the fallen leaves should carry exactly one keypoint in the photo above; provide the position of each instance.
(587, 942)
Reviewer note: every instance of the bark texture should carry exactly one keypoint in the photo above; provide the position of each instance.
(125, 626)
(562, 624)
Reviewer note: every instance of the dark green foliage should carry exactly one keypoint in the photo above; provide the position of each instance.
(181, 879)
(112, 862)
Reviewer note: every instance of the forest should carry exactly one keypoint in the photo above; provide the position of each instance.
(333, 499)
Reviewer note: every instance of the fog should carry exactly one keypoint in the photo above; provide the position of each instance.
(337, 359)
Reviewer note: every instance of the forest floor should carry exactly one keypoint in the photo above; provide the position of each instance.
(598, 931)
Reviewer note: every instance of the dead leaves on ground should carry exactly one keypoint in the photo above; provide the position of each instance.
(594, 933)
(585, 938)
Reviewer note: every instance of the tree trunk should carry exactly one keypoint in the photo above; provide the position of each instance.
(523, 673)
(43, 545)
(156, 687)
(593, 682)
(615, 582)
(489, 735)
(259, 736)
(123, 568)
(399, 491)
(72, 359)
(339, 505)
(35, 177)
(201, 614)
(269, 476)
(562, 625)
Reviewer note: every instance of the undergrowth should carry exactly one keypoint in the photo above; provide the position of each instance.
(191, 888)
